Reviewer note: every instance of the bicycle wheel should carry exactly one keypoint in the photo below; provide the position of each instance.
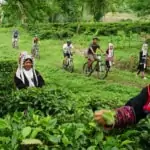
(70, 67)
(64, 65)
(37, 55)
(33, 52)
(102, 71)
(86, 70)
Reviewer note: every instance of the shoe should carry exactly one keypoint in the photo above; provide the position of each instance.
(144, 78)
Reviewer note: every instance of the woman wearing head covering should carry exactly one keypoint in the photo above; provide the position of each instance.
(142, 60)
(26, 76)
(109, 55)
(132, 112)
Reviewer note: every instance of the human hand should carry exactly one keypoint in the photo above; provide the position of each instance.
(98, 116)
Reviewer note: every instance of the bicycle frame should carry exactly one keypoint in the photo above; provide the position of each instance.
(15, 43)
(69, 60)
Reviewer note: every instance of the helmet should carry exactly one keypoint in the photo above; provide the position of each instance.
(95, 38)
(69, 41)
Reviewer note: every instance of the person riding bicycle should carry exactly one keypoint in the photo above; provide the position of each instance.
(91, 52)
(67, 50)
(142, 60)
(35, 40)
(109, 55)
(35, 44)
(15, 36)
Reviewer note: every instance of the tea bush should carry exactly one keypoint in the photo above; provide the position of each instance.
(7, 71)
(58, 30)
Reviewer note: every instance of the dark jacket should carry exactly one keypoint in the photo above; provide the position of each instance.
(20, 85)
(142, 58)
(138, 102)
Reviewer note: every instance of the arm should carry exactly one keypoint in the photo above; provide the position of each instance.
(91, 50)
(126, 115)
(41, 81)
(64, 48)
(19, 84)
(100, 49)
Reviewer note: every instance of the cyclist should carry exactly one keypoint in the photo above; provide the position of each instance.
(15, 37)
(91, 52)
(67, 50)
(134, 110)
(142, 60)
(35, 43)
(109, 55)
(35, 39)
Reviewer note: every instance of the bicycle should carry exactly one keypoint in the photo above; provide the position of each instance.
(35, 51)
(15, 43)
(98, 66)
(69, 65)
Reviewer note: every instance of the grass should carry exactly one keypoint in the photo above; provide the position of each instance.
(50, 66)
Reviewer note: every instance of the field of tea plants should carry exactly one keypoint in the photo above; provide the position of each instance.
(60, 115)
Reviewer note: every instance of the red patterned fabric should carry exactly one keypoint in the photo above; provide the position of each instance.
(124, 116)
(146, 107)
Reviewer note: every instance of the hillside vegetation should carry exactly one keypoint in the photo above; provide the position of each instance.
(60, 114)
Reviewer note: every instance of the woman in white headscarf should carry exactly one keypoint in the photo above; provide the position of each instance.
(142, 60)
(109, 55)
(26, 76)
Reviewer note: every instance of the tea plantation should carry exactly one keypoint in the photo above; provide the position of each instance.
(59, 116)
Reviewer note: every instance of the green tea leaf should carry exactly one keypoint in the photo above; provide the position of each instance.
(91, 148)
(26, 131)
(109, 117)
(31, 142)
(35, 132)
(3, 124)
(127, 142)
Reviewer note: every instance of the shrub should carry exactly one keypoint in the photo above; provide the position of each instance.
(58, 30)
(7, 70)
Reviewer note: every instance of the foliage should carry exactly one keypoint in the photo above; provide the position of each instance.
(7, 70)
(55, 10)
(47, 31)
(140, 7)
(60, 115)
(22, 129)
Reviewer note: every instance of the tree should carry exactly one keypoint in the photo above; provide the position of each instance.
(24, 10)
(98, 8)
(141, 7)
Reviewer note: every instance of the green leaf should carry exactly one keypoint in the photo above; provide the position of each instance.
(109, 117)
(36, 118)
(3, 124)
(114, 148)
(54, 139)
(4, 139)
(99, 137)
(35, 132)
(65, 141)
(26, 131)
(78, 133)
(127, 142)
(92, 124)
(91, 148)
(31, 142)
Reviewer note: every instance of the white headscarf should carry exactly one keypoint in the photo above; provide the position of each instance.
(144, 48)
(110, 51)
(21, 71)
